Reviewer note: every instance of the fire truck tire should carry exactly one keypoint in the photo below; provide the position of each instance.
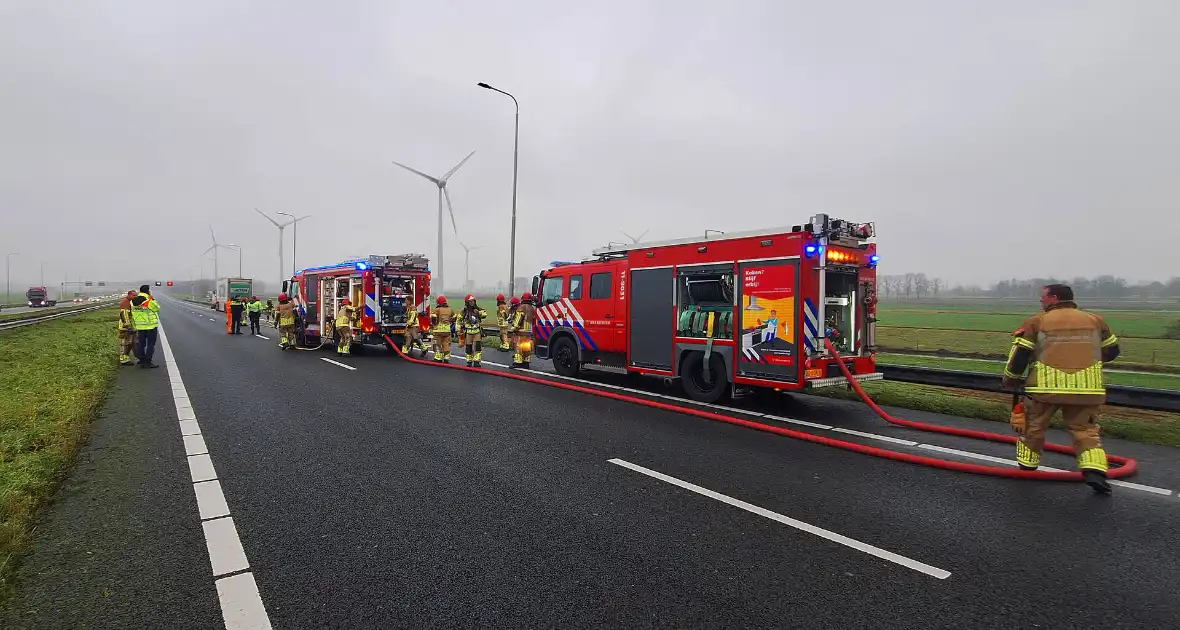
(564, 355)
(693, 381)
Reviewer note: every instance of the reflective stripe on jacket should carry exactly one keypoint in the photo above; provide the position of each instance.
(1063, 349)
(144, 313)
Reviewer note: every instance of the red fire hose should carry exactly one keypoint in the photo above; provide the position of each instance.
(1126, 466)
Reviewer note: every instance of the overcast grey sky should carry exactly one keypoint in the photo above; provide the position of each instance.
(985, 139)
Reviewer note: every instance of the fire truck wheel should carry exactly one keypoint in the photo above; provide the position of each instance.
(565, 357)
(692, 377)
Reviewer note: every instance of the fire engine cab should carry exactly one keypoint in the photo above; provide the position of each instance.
(383, 289)
(721, 313)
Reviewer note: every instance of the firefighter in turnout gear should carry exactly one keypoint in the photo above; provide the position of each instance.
(285, 312)
(502, 321)
(471, 323)
(345, 316)
(1063, 349)
(522, 331)
(126, 331)
(413, 336)
(441, 323)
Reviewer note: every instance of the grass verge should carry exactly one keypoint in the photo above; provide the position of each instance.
(54, 377)
(1149, 427)
(996, 344)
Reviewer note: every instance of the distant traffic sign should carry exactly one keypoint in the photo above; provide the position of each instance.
(88, 283)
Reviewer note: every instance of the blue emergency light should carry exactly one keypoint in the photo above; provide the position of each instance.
(873, 260)
(811, 250)
(362, 266)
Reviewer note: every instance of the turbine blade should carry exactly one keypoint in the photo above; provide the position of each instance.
(212, 235)
(643, 235)
(417, 172)
(264, 215)
(633, 239)
(452, 210)
(456, 167)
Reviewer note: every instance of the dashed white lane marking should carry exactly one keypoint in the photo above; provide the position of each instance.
(241, 604)
(874, 436)
(347, 367)
(261, 337)
(210, 500)
(852, 543)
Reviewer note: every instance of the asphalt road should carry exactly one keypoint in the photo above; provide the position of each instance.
(399, 495)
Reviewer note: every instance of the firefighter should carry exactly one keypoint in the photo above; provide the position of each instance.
(502, 321)
(413, 336)
(1063, 349)
(270, 314)
(285, 312)
(522, 331)
(145, 318)
(471, 323)
(345, 316)
(254, 309)
(442, 321)
(126, 330)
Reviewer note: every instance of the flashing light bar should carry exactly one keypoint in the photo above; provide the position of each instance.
(842, 257)
(873, 260)
(811, 250)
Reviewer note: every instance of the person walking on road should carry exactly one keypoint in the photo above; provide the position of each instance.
(522, 331)
(413, 336)
(236, 307)
(1063, 349)
(126, 330)
(145, 317)
(255, 312)
(285, 313)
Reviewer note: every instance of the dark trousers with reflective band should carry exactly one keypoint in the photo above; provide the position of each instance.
(1080, 421)
(255, 325)
(145, 344)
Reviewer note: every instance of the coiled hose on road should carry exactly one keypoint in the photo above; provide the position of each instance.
(1125, 466)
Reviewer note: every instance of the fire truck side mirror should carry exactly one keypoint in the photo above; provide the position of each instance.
(285, 287)
(536, 284)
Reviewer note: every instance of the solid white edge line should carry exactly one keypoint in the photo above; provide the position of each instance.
(875, 436)
(241, 603)
(898, 559)
(347, 367)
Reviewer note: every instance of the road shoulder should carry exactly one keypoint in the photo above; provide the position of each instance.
(121, 544)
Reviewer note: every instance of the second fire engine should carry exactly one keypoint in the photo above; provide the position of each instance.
(384, 289)
(721, 313)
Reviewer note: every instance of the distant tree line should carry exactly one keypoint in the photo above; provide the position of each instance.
(919, 286)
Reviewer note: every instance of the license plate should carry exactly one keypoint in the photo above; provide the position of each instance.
(815, 373)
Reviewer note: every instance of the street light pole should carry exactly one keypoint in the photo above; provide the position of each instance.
(515, 164)
(8, 274)
(239, 248)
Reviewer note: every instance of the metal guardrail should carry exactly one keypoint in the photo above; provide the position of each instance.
(1116, 395)
(29, 321)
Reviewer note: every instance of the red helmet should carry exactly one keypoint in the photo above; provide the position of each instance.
(345, 302)
(282, 297)
(526, 296)
(469, 298)
(440, 300)
(515, 301)
(499, 297)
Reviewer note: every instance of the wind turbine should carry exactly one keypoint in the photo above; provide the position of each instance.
(213, 249)
(635, 240)
(467, 262)
(441, 182)
(281, 227)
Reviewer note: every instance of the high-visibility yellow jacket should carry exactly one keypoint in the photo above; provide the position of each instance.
(256, 306)
(345, 316)
(472, 320)
(144, 312)
(501, 315)
(1063, 349)
(442, 317)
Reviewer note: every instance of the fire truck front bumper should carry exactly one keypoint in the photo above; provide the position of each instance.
(840, 380)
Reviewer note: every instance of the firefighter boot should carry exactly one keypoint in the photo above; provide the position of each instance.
(1092, 462)
(1096, 479)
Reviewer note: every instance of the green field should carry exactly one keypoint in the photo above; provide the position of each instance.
(1159, 352)
(1124, 323)
(53, 379)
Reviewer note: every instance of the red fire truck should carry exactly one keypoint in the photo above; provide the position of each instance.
(721, 313)
(383, 288)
